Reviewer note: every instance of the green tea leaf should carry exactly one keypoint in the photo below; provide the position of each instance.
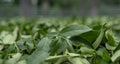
(87, 50)
(111, 40)
(104, 54)
(78, 60)
(37, 57)
(109, 47)
(89, 35)
(99, 38)
(78, 39)
(115, 56)
(14, 59)
(44, 44)
(10, 38)
(54, 58)
(74, 30)
(58, 46)
(40, 54)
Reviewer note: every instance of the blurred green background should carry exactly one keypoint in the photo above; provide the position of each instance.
(59, 8)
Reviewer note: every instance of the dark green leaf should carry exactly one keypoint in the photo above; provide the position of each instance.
(74, 30)
(99, 38)
(110, 39)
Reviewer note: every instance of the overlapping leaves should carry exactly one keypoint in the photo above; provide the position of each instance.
(46, 43)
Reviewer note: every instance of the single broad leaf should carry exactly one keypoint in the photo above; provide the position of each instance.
(14, 59)
(99, 38)
(41, 53)
(44, 44)
(37, 57)
(84, 61)
(109, 47)
(10, 38)
(78, 39)
(89, 35)
(60, 60)
(87, 50)
(110, 38)
(116, 56)
(15, 33)
(74, 30)
(78, 60)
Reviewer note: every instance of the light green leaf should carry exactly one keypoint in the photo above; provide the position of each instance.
(86, 50)
(14, 59)
(44, 44)
(109, 47)
(78, 60)
(59, 61)
(115, 56)
(73, 54)
(10, 38)
(74, 30)
(15, 33)
(54, 58)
